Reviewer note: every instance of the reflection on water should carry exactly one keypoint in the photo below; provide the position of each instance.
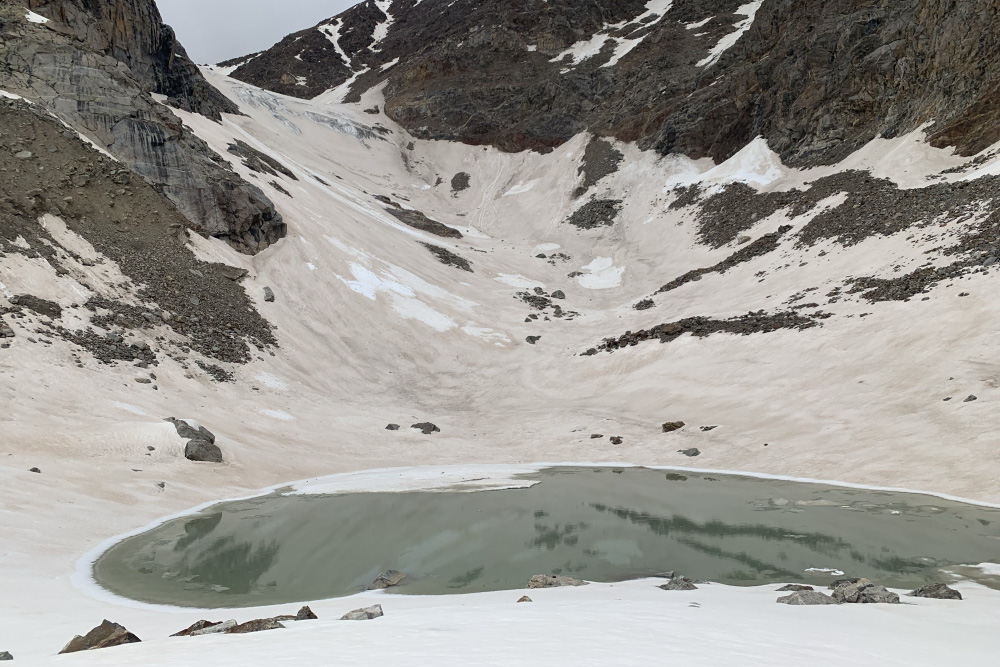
(595, 523)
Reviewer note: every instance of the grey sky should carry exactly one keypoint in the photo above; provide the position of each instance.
(214, 30)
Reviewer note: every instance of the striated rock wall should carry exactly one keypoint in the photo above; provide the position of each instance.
(816, 78)
(96, 64)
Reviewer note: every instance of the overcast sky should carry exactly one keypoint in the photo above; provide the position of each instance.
(214, 30)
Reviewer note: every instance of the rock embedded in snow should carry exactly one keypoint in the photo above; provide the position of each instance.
(105, 635)
(694, 451)
(387, 579)
(525, 598)
(268, 295)
(35, 470)
(936, 592)
(678, 583)
(392, 427)
(426, 428)
(202, 451)
(971, 398)
(807, 598)
(4, 655)
(617, 440)
(364, 614)
(558, 294)
(793, 588)
(863, 591)
(256, 625)
(303, 614)
(670, 427)
(531, 340)
(554, 581)
(203, 627)
(185, 430)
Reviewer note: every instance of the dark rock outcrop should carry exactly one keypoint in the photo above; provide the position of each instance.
(94, 65)
(670, 427)
(105, 635)
(40, 306)
(427, 428)
(5, 655)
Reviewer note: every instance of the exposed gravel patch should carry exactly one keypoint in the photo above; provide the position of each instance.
(762, 246)
(446, 256)
(596, 213)
(751, 323)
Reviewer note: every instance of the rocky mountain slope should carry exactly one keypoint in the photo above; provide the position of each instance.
(95, 65)
(782, 260)
(816, 79)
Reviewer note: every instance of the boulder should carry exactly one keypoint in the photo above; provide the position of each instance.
(268, 295)
(304, 614)
(937, 592)
(678, 583)
(531, 340)
(387, 579)
(694, 451)
(257, 625)
(4, 655)
(558, 294)
(670, 427)
(863, 591)
(807, 598)
(189, 432)
(426, 428)
(554, 581)
(363, 614)
(219, 629)
(202, 451)
(392, 427)
(616, 440)
(105, 635)
(525, 598)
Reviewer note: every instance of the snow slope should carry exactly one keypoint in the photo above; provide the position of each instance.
(374, 329)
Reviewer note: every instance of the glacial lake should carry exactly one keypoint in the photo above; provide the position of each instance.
(599, 524)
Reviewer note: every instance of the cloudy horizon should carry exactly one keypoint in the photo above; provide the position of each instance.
(216, 30)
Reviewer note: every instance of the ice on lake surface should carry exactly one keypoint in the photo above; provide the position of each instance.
(599, 524)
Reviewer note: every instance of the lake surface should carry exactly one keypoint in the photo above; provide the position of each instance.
(599, 524)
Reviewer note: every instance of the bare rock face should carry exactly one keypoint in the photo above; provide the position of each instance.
(105, 635)
(200, 628)
(94, 65)
(364, 614)
(816, 78)
(554, 581)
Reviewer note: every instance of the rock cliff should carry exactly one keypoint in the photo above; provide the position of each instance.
(96, 66)
(817, 79)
